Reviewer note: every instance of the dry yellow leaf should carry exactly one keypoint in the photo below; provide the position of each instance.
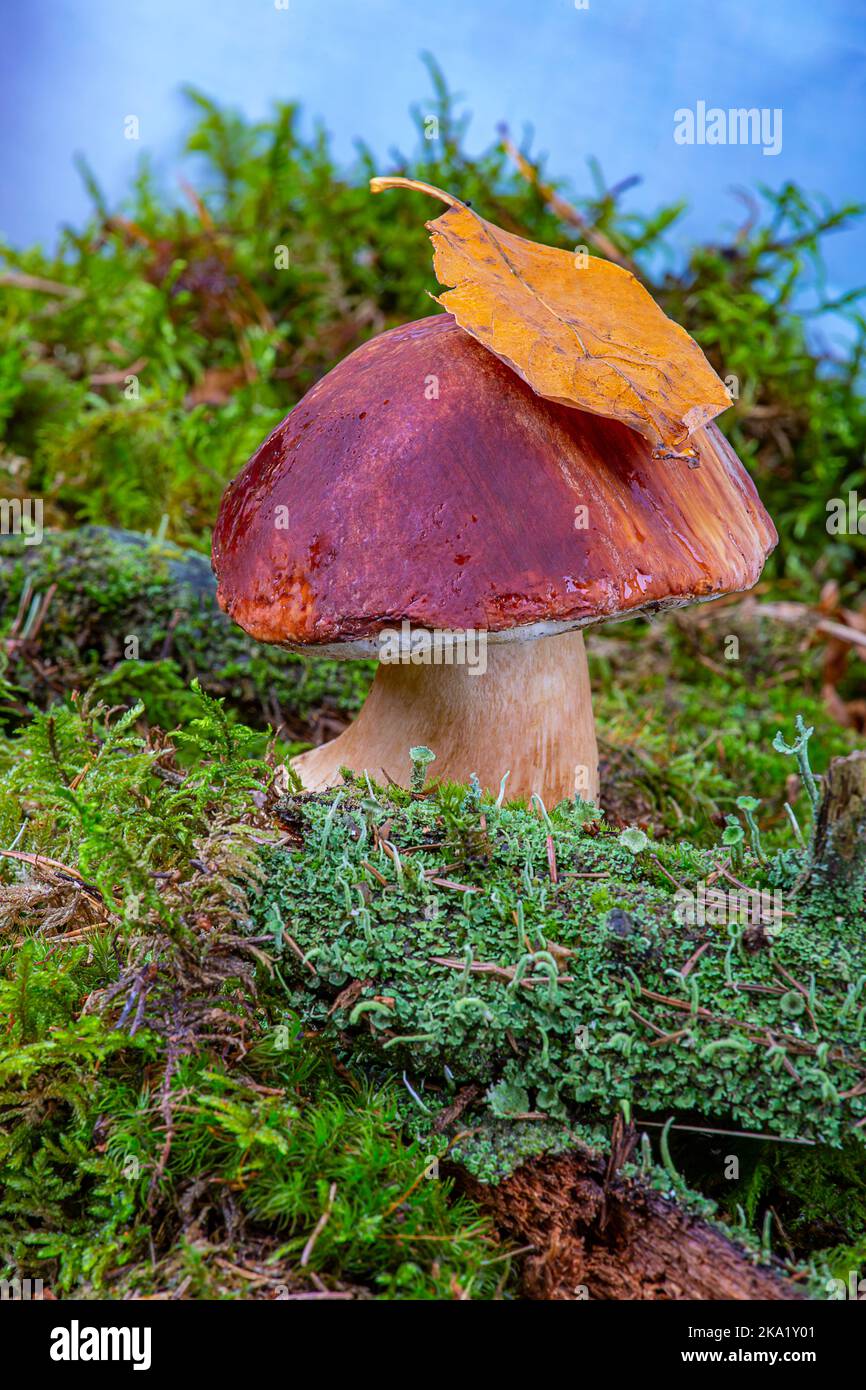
(578, 329)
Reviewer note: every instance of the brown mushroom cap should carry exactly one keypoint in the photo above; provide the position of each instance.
(423, 480)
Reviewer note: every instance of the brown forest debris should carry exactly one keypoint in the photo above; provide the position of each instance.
(614, 1238)
(838, 854)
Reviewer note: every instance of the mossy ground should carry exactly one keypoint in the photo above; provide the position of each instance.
(135, 618)
(165, 1123)
(537, 970)
(179, 1114)
(683, 729)
(134, 1165)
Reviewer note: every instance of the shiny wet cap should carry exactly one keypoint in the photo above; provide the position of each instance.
(423, 482)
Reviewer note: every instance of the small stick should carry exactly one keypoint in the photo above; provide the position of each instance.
(39, 860)
(320, 1226)
(729, 1133)
(693, 960)
(551, 859)
(458, 887)
(375, 872)
(659, 1031)
(298, 952)
(668, 876)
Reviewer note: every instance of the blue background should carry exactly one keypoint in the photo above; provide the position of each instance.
(604, 81)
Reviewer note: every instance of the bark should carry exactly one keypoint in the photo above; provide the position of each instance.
(599, 1235)
(838, 854)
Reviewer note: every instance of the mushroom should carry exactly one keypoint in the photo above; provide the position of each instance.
(424, 506)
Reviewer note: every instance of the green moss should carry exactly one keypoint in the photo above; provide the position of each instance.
(552, 1047)
(135, 618)
(159, 1113)
(681, 741)
(607, 1019)
(819, 1194)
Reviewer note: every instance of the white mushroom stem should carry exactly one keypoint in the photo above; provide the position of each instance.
(528, 714)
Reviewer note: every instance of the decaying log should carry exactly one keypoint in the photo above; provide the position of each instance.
(838, 854)
(599, 1235)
